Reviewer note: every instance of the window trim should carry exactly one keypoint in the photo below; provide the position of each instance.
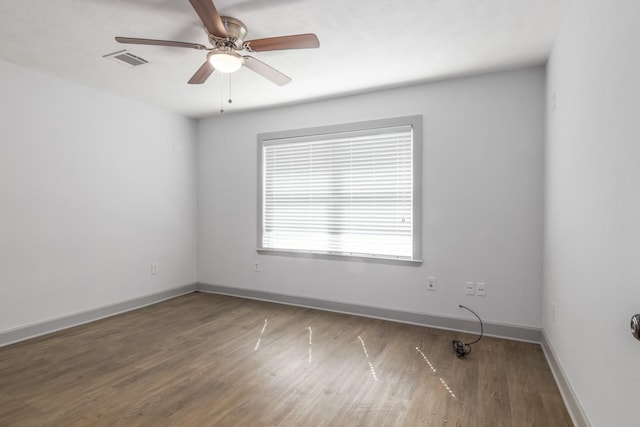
(414, 121)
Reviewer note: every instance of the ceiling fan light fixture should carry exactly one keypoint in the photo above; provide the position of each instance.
(226, 61)
(226, 37)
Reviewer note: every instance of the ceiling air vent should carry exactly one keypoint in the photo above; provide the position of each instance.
(126, 58)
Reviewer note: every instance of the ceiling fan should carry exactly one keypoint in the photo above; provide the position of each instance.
(226, 36)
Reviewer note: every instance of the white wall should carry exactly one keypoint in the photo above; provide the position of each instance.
(592, 232)
(482, 197)
(91, 192)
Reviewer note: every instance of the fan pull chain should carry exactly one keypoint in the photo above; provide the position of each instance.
(221, 93)
(222, 81)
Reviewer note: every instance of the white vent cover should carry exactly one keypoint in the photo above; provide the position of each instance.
(126, 58)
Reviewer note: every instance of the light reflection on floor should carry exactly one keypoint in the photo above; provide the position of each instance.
(264, 327)
(426, 360)
(366, 355)
(433, 369)
(444, 383)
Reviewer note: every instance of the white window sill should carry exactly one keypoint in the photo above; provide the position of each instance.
(341, 256)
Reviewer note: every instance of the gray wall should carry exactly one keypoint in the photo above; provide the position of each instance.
(93, 188)
(592, 232)
(482, 200)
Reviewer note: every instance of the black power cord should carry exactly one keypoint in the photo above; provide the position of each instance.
(461, 349)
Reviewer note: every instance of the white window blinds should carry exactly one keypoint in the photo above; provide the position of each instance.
(348, 193)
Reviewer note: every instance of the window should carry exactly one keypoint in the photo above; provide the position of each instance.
(351, 190)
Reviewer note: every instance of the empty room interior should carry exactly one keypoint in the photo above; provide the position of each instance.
(300, 213)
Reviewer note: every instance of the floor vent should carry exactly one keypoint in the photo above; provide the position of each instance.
(126, 58)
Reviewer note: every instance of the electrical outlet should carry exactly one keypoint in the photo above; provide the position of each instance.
(470, 288)
(431, 283)
(154, 268)
(481, 289)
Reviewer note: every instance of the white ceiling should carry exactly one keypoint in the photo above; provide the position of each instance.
(364, 45)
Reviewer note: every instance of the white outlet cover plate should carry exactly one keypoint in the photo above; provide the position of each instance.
(481, 289)
(470, 288)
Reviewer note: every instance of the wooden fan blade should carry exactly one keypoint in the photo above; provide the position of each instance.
(210, 17)
(202, 74)
(171, 43)
(266, 71)
(298, 41)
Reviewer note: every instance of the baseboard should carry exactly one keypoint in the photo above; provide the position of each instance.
(578, 416)
(514, 332)
(11, 336)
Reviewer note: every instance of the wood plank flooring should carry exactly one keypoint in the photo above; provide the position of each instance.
(213, 360)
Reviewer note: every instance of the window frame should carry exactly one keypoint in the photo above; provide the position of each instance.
(415, 122)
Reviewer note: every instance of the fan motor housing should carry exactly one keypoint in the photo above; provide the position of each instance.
(236, 32)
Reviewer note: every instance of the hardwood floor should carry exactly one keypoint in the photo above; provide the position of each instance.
(203, 360)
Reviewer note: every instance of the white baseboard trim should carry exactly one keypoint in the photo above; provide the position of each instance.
(33, 330)
(571, 401)
(514, 332)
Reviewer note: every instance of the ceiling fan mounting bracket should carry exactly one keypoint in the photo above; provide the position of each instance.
(247, 46)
